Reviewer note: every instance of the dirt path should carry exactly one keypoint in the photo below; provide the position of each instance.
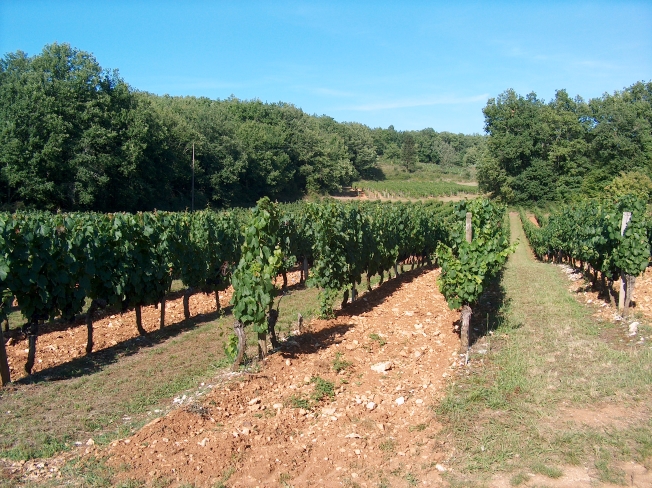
(266, 428)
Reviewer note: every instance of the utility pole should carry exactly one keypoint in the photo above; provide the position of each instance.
(8, 187)
(192, 200)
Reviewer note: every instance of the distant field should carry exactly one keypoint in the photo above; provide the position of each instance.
(428, 180)
(414, 189)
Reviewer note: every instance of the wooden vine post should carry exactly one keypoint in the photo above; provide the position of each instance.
(5, 376)
(161, 324)
(623, 279)
(466, 309)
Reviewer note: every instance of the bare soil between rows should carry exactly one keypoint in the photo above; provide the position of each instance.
(267, 428)
(255, 430)
(264, 428)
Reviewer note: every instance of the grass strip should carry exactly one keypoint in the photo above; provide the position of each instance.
(551, 363)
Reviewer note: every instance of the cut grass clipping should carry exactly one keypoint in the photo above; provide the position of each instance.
(340, 364)
(375, 337)
(323, 389)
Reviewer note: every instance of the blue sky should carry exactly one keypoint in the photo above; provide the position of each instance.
(409, 64)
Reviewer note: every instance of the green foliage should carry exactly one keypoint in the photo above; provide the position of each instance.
(466, 268)
(351, 239)
(296, 401)
(42, 263)
(589, 231)
(632, 183)
(261, 259)
(203, 244)
(77, 137)
(323, 389)
(566, 148)
(408, 153)
(52, 262)
(431, 147)
(231, 347)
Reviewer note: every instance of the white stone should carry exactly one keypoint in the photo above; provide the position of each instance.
(381, 367)
(400, 400)
(371, 406)
(633, 328)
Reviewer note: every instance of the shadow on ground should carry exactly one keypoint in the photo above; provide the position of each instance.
(98, 360)
(309, 342)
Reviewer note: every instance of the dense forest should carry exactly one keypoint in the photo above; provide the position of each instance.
(568, 148)
(75, 136)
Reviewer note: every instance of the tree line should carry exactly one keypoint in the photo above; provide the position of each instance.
(75, 136)
(568, 148)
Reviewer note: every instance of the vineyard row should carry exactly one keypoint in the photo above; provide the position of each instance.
(52, 264)
(609, 239)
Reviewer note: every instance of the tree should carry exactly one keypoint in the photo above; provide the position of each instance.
(408, 153)
(632, 183)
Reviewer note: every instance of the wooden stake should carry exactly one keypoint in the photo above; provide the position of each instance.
(465, 333)
(89, 327)
(5, 376)
(162, 322)
(621, 296)
(469, 228)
